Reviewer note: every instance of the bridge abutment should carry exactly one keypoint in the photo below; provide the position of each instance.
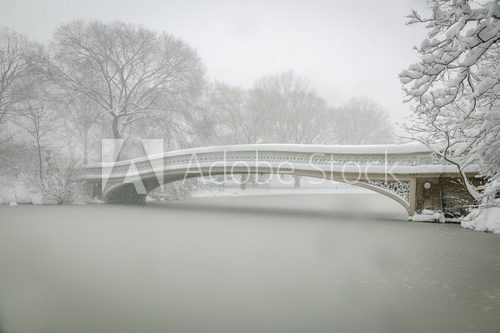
(444, 194)
(92, 190)
(126, 194)
(428, 194)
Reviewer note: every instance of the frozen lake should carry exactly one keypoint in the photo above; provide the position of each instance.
(305, 263)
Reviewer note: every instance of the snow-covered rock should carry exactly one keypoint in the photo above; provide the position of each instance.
(483, 219)
(428, 216)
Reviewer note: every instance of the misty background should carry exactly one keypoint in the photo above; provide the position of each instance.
(345, 49)
(193, 74)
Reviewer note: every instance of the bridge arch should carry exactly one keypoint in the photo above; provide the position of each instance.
(137, 191)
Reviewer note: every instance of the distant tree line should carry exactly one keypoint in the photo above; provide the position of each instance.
(94, 80)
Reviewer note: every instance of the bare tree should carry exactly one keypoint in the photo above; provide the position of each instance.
(16, 59)
(130, 68)
(174, 124)
(228, 117)
(38, 120)
(359, 122)
(227, 107)
(61, 183)
(290, 111)
(83, 115)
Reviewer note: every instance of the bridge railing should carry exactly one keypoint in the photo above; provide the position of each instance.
(370, 159)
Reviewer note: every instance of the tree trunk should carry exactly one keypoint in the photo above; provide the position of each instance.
(474, 193)
(85, 149)
(116, 131)
(40, 163)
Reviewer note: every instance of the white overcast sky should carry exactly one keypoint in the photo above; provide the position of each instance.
(344, 48)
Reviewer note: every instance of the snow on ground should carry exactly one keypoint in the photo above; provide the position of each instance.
(483, 219)
(16, 191)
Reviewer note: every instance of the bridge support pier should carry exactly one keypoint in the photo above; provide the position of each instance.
(126, 195)
(93, 190)
(443, 193)
(428, 194)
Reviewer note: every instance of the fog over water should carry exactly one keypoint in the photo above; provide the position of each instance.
(244, 264)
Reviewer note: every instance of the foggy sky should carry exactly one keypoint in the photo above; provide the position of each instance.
(344, 48)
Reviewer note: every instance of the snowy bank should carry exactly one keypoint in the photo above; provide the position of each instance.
(483, 219)
(16, 190)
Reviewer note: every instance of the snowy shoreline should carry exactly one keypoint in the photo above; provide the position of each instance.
(485, 219)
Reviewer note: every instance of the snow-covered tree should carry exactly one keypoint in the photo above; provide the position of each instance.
(60, 183)
(455, 87)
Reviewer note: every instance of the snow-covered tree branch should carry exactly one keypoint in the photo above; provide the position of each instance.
(455, 87)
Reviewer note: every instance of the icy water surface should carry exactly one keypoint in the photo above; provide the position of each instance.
(309, 263)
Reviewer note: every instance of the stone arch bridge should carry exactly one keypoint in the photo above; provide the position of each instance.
(408, 173)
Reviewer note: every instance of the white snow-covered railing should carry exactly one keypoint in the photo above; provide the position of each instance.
(404, 159)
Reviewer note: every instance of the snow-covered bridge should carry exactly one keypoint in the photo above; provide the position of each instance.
(407, 173)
